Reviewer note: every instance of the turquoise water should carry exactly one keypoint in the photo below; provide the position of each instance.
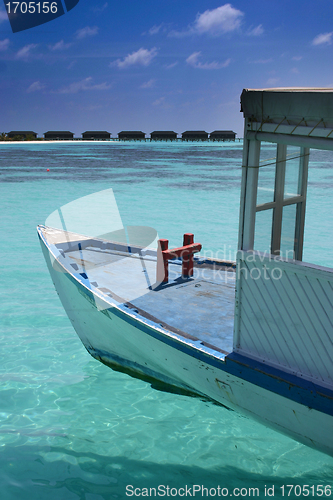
(71, 428)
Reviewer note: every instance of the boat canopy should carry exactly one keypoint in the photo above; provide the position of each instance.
(296, 120)
(283, 308)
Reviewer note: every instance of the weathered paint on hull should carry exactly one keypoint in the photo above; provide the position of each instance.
(118, 338)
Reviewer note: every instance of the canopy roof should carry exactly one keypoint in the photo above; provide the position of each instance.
(292, 111)
(311, 105)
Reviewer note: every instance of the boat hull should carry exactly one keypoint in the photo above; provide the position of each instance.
(123, 341)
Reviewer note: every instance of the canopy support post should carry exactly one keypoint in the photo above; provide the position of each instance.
(250, 195)
(280, 174)
(300, 213)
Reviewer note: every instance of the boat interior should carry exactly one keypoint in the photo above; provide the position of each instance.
(200, 307)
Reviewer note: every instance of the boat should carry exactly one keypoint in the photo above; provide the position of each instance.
(255, 336)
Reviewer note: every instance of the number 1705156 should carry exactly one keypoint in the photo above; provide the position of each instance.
(32, 7)
(305, 490)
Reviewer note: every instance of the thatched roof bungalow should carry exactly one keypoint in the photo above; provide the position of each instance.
(131, 135)
(195, 135)
(165, 135)
(96, 135)
(222, 135)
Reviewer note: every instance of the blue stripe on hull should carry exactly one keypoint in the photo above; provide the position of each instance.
(287, 385)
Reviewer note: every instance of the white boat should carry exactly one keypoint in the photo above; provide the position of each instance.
(255, 336)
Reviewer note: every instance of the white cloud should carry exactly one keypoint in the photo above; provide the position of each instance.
(155, 29)
(100, 9)
(34, 87)
(25, 52)
(172, 65)
(323, 39)
(193, 60)
(87, 31)
(149, 84)
(272, 81)
(3, 16)
(141, 57)
(297, 58)
(4, 44)
(215, 22)
(85, 84)
(259, 30)
(60, 45)
(159, 102)
(262, 61)
(218, 21)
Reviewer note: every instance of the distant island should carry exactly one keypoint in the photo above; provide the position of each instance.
(125, 135)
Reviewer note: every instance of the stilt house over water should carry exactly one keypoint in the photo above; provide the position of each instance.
(58, 135)
(195, 135)
(163, 136)
(222, 135)
(96, 135)
(131, 135)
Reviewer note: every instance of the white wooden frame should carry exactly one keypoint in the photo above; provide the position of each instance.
(249, 207)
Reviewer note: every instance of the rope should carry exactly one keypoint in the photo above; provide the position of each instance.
(280, 124)
(275, 162)
(321, 120)
(298, 124)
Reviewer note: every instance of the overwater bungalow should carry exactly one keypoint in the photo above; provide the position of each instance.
(131, 135)
(165, 135)
(222, 135)
(58, 135)
(96, 135)
(195, 135)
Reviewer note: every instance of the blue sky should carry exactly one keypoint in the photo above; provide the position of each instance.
(159, 65)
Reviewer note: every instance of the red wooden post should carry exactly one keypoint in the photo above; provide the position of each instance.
(162, 271)
(187, 266)
(185, 253)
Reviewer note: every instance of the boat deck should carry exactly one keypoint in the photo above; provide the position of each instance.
(201, 307)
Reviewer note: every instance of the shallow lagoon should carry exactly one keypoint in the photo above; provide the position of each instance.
(71, 428)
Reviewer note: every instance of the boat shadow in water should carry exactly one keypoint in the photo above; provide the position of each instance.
(60, 472)
(159, 385)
